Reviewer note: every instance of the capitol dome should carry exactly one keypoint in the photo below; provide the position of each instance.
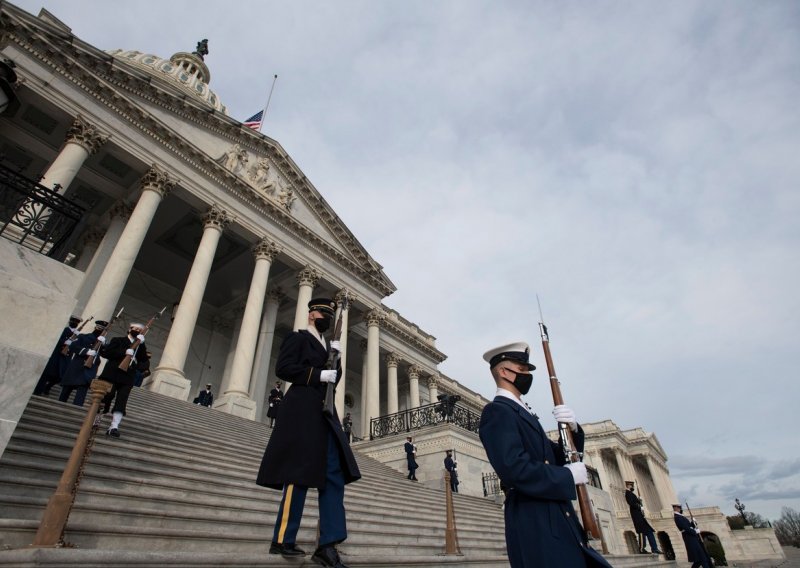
(185, 70)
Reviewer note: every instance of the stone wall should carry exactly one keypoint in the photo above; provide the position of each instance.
(37, 296)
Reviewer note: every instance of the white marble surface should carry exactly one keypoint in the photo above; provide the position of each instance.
(37, 296)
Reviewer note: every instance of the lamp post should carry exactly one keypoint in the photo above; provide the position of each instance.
(739, 506)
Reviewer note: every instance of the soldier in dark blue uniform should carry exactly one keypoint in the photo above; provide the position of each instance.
(115, 351)
(308, 448)
(640, 524)
(57, 363)
(411, 453)
(691, 539)
(78, 377)
(542, 529)
(450, 466)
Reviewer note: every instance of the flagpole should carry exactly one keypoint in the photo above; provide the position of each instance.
(269, 98)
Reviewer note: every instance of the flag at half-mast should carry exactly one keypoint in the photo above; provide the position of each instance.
(254, 121)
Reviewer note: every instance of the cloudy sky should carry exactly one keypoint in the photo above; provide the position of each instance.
(636, 164)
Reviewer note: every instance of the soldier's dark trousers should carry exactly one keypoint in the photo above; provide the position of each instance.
(332, 521)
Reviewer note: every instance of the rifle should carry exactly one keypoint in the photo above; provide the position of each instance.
(328, 407)
(74, 336)
(565, 434)
(694, 524)
(89, 363)
(126, 361)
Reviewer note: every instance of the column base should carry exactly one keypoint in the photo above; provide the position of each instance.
(237, 404)
(170, 382)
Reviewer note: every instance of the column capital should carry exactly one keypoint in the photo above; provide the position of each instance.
(265, 250)
(414, 372)
(85, 135)
(375, 317)
(93, 237)
(157, 180)
(392, 359)
(308, 276)
(275, 295)
(433, 381)
(217, 218)
(341, 294)
(120, 209)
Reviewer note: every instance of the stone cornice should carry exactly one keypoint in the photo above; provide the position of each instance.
(104, 78)
(412, 339)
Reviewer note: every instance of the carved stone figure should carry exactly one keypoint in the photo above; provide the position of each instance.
(234, 159)
(259, 176)
(286, 197)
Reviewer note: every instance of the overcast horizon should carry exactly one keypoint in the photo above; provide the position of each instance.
(635, 164)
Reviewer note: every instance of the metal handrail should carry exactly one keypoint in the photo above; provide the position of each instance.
(422, 417)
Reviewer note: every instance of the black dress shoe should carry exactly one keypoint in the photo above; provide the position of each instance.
(286, 550)
(328, 556)
(113, 432)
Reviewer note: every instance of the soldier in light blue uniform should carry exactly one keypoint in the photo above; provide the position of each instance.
(542, 529)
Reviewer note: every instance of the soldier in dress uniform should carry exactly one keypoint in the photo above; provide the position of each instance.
(542, 529)
(78, 377)
(275, 399)
(450, 466)
(308, 448)
(115, 351)
(691, 539)
(411, 462)
(57, 363)
(643, 528)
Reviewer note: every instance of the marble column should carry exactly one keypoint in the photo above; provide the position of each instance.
(236, 326)
(83, 140)
(663, 485)
(91, 242)
(341, 387)
(306, 280)
(235, 398)
(103, 299)
(433, 389)
(259, 380)
(413, 386)
(119, 215)
(392, 360)
(364, 389)
(374, 318)
(168, 378)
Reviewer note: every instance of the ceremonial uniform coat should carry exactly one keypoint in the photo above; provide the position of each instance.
(637, 516)
(275, 399)
(542, 530)
(205, 398)
(297, 450)
(114, 351)
(692, 540)
(76, 374)
(411, 462)
(56, 364)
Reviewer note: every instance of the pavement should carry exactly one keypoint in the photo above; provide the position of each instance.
(792, 560)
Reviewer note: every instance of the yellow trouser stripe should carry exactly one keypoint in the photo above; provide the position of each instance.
(287, 505)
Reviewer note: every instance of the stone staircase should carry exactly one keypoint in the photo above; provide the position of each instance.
(177, 489)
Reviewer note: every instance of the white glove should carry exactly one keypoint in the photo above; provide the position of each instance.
(697, 531)
(327, 376)
(101, 339)
(68, 342)
(564, 414)
(579, 473)
(91, 353)
(129, 352)
(336, 346)
(140, 337)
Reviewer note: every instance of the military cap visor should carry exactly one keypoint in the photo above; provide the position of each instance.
(516, 352)
(322, 305)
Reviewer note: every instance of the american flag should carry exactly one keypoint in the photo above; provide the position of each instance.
(254, 121)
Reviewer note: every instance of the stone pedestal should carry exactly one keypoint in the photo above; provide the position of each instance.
(171, 382)
(237, 404)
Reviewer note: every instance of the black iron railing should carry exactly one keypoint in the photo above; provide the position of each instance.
(421, 417)
(491, 484)
(37, 217)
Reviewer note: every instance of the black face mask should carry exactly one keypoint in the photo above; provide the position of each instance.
(322, 324)
(523, 381)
